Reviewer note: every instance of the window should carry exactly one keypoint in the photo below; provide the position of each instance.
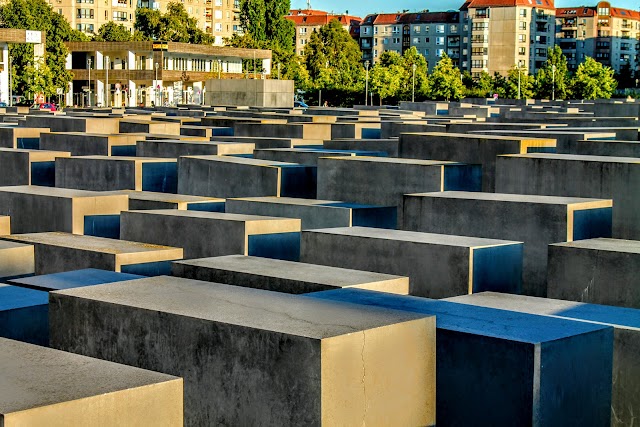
(440, 41)
(375, 30)
(426, 52)
(439, 52)
(218, 2)
(84, 14)
(426, 39)
(375, 53)
(218, 28)
(522, 25)
(217, 14)
(453, 28)
(85, 28)
(479, 51)
(416, 40)
(120, 16)
(84, 1)
(375, 42)
(385, 40)
(303, 30)
(522, 51)
(416, 29)
(478, 63)
(603, 11)
(396, 40)
(396, 29)
(522, 38)
(522, 63)
(365, 30)
(303, 41)
(482, 13)
(426, 28)
(439, 28)
(479, 26)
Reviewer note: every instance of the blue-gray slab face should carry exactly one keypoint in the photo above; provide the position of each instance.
(285, 246)
(24, 315)
(592, 223)
(123, 150)
(299, 181)
(502, 368)
(160, 177)
(28, 143)
(369, 215)
(72, 279)
(629, 317)
(462, 177)
(43, 174)
(148, 269)
(206, 207)
(107, 226)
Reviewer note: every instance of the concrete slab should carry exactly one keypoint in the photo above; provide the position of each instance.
(207, 234)
(307, 156)
(16, 260)
(132, 125)
(21, 137)
(598, 271)
(178, 148)
(608, 147)
(24, 315)
(315, 213)
(5, 225)
(566, 141)
(142, 200)
(262, 142)
(66, 208)
(28, 167)
(223, 176)
(487, 357)
(577, 176)
(285, 276)
(42, 386)
(90, 144)
(71, 279)
(58, 252)
(437, 265)
(535, 220)
(387, 145)
(256, 357)
(626, 344)
(60, 123)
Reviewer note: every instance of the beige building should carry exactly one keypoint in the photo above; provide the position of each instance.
(504, 33)
(307, 21)
(89, 15)
(608, 34)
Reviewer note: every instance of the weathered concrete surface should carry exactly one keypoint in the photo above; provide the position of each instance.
(625, 402)
(142, 200)
(58, 252)
(43, 386)
(71, 279)
(104, 173)
(34, 209)
(222, 176)
(535, 220)
(598, 271)
(437, 265)
(90, 144)
(16, 260)
(103, 125)
(207, 234)
(319, 131)
(285, 276)
(20, 137)
(18, 166)
(178, 148)
(577, 176)
(316, 213)
(304, 156)
(5, 225)
(608, 147)
(466, 148)
(253, 357)
(387, 145)
(24, 315)
(550, 371)
(266, 142)
(148, 126)
(566, 141)
(383, 181)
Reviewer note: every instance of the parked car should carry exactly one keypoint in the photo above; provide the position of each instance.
(46, 106)
(3, 104)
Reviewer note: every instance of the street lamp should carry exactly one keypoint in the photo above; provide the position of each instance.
(89, 67)
(157, 88)
(107, 79)
(553, 73)
(519, 81)
(219, 67)
(366, 82)
(413, 89)
(11, 83)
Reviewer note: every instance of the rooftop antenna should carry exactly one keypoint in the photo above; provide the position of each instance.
(308, 4)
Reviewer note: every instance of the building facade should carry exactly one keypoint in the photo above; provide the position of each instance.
(308, 20)
(608, 34)
(88, 16)
(142, 73)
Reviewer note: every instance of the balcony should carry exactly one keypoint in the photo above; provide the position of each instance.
(569, 24)
(541, 17)
(629, 26)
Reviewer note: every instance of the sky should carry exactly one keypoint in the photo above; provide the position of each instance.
(362, 8)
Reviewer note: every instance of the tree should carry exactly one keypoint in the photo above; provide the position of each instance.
(499, 85)
(445, 81)
(112, 32)
(38, 15)
(410, 58)
(264, 21)
(546, 78)
(386, 80)
(519, 77)
(593, 81)
(482, 87)
(39, 78)
(175, 25)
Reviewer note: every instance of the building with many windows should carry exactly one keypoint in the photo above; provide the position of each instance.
(431, 33)
(308, 20)
(89, 15)
(608, 34)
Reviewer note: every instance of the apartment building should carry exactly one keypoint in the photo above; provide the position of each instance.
(504, 33)
(608, 34)
(219, 18)
(89, 15)
(431, 33)
(308, 20)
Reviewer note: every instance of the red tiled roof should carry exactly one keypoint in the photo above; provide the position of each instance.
(625, 13)
(295, 12)
(581, 11)
(318, 20)
(540, 4)
(387, 18)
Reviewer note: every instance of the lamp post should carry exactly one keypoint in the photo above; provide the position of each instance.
(219, 68)
(413, 88)
(553, 80)
(157, 88)
(279, 70)
(366, 82)
(518, 81)
(89, 96)
(107, 79)
(10, 83)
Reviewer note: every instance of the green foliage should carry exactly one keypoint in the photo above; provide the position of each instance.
(407, 61)
(625, 77)
(385, 81)
(519, 77)
(38, 15)
(175, 25)
(39, 78)
(445, 81)
(593, 81)
(264, 21)
(482, 87)
(545, 77)
(112, 32)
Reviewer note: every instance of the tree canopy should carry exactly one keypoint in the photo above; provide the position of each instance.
(175, 25)
(445, 81)
(547, 78)
(593, 80)
(112, 32)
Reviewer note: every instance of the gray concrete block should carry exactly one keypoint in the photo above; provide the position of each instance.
(207, 234)
(535, 220)
(58, 252)
(21, 137)
(598, 271)
(65, 209)
(146, 200)
(43, 386)
(148, 126)
(608, 147)
(625, 402)
(178, 148)
(16, 260)
(28, 167)
(437, 265)
(577, 176)
(5, 225)
(60, 123)
(390, 146)
(90, 144)
(252, 357)
(285, 276)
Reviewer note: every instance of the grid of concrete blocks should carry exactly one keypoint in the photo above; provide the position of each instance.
(474, 263)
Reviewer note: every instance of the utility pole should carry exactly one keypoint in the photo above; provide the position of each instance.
(157, 88)
(366, 82)
(89, 67)
(107, 80)
(10, 83)
(553, 73)
(413, 89)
